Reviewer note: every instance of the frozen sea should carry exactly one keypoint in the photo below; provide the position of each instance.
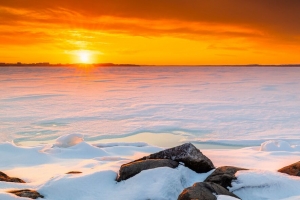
(93, 120)
(213, 107)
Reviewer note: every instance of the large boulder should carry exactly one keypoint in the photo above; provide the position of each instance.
(204, 191)
(223, 175)
(4, 177)
(27, 193)
(130, 169)
(187, 154)
(293, 169)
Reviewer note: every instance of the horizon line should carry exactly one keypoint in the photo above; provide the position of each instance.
(46, 64)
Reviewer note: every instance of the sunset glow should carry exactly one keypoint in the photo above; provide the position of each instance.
(157, 99)
(151, 32)
(84, 57)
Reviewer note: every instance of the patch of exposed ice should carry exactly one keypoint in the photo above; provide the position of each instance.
(113, 144)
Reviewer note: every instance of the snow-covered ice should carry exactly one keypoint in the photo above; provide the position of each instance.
(213, 106)
(56, 120)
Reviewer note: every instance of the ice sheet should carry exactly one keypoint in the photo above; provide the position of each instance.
(225, 106)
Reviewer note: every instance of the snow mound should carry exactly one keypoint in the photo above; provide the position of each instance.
(68, 140)
(81, 150)
(160, 184)
(278, 145)
(44, 169)
(265, 185)
(225, 197)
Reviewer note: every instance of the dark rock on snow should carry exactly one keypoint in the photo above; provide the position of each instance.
(74, 172)
(27, 193)
(4, 177)
(223, 176)
(293, 169)
(204, 191)
(186, 153)
(130, 169)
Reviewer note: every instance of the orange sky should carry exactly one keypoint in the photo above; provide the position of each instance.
(151, 32)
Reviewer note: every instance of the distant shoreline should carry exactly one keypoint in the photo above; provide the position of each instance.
(133, 65)
(65, 65)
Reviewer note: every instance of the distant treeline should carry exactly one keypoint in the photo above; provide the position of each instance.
(45, 64)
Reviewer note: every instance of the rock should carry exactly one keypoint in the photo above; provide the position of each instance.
(27, 193)
(293, 169)
(204, 191)
(4, 177)
(74, 172)
(186, 153)
(223, 175)
(130, 169)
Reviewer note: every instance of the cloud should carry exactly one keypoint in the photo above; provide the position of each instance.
(227, 47)
(62, 18)
(277, 16)
(24, 37)
(217, 26)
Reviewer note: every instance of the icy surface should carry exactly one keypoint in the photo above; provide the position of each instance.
(94, 120)
(113, 144)
(223, 106)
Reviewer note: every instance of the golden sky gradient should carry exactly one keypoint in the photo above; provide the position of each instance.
(150, 32)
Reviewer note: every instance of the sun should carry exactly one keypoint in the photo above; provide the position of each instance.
(84, 57)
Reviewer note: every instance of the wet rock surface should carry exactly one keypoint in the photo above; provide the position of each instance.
(27, 193)
(6, 178)
(204, 191)
(188, 154)
(293, 169)
(223, 175)
(131, 169)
